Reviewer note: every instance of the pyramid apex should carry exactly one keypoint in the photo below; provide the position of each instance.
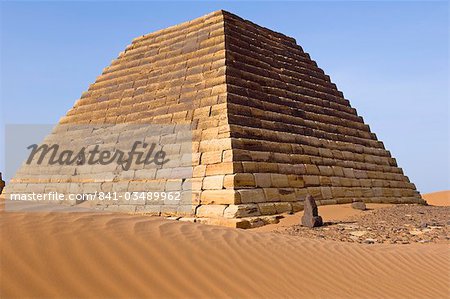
(222, 12)
(219, 11)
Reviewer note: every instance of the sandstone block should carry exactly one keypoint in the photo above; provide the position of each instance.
(249, 167)
(326, 170)
(212, 210)
(325, 181)
(192, 197)
(271, 194)
(359, 205)
(263, 180)
(279, 180)
(193, 184)
(295, 181)
(215, 145)
(338, 171)
(173, 185)
(239, 180)
(346, 182)
(316, 192)
(221, 168)
(287, 194)
(267, 208)
(242, 210)
(312, 169)
(297, 206)
(224, 196)
(199, 171)
(251, 195)
(169, 210)
(227, 156)
(213, 182)
(234, 223)
(324, 202)
(344, 200)
(211, 157)
(301, 193)
(283, 207)
(326, 193)
(266, 167)
(311, 180)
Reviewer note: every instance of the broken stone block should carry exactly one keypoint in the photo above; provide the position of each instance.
(359, 205)
(311, 216)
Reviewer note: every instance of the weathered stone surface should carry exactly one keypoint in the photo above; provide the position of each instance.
(283, 207)
(211, 157)
(263, 180)
(213, 182)
(239, 180)
(251, 195)
(234, 223)
(213, 211)
(225, 196)
(267, 208)
(297, 206)
(239, 211)
(311, 216)
(359, 205)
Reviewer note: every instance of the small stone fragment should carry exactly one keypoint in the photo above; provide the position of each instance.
(416, 232)
(358, 233)
(359, 205)
(370, 241)
(311, 216)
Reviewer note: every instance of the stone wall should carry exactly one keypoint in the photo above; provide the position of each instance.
(293, 132)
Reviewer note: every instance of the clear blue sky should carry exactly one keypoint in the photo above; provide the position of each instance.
(389, 58)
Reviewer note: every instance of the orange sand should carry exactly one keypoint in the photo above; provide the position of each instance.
(87, 255)
(441, 198)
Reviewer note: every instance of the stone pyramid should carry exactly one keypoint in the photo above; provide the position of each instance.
(268, 125)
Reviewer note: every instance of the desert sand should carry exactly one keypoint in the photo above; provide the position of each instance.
(90, 255)
(441, 198)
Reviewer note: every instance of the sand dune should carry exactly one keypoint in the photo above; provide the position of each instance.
(441, 198)
(87, 255)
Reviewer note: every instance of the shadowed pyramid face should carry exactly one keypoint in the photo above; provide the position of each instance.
(267, 126)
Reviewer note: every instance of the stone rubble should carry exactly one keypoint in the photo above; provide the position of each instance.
(400, 224)
(359, 205)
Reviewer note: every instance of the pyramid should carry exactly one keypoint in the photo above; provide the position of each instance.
(268, 126)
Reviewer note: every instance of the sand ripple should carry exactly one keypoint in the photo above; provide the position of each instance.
(83, 255)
